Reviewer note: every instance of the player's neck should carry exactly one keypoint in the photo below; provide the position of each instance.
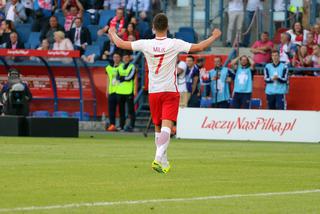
(161, 34)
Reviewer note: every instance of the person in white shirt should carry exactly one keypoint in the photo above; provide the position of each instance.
(235, 16)
(161, 54)
(142, 7)
(252, 7)
(63, 44)
(182, 84)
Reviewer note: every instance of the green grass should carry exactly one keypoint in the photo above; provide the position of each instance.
(45, 171)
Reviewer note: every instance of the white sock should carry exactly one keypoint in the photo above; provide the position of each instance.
(163, 143)
(156, 136)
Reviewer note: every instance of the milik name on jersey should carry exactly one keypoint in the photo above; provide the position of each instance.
(159, 49)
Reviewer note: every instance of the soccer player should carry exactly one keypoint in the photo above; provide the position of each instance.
(161, 54)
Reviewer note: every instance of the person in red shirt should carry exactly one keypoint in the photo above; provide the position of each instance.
(298, 34)
(72, 13)
(131, 31)
(118, 22)
(262, 50)
(302, 58)
(310, 43)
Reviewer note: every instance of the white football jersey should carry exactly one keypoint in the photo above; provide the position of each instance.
(161, 55)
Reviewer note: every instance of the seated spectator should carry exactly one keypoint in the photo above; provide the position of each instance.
(113, 4)
(117, 22)
(302, 58)
(44, 45)
(80, 36)
(5, 31)
(276, 78)
(298, 34)
(262, 50)
(14, 42)
(316, 56)
(62, 43)
(109, 48)
(287, 49)
(71, 12)
(131, 38)
(243, 81)
(316, 34)
(310, 43)
(131, 30)
(48, 32)
(15, 12)
(142, 7)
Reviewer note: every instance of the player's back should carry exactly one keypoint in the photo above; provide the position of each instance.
(161, 55)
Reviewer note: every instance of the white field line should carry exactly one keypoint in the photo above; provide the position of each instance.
(104, 204)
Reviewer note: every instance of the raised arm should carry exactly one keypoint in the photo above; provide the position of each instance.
(216, 33)
(118, 41)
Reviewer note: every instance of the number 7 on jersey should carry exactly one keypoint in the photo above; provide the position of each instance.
(161, 56)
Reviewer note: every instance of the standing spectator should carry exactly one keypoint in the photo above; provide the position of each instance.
(28, 5)
(43, 10)
(302, 58)
(141, 7)
(49, 31)
(316, 34)
(192, 79)
(298, 34)
(287, 49)
(15, 12)
(262, 50)
(243, 81)
(125, 92)
(131, 30)
(182, 85)
(310, 43)
(117, 22)
(220, 79)
(252, 7)
(71, 12)
(5, 31)
(80, 36)
(204, 78)
(112, 71)
(295, 10)
(279, 6)
(235, 16)
(276, 78)
(113, 4)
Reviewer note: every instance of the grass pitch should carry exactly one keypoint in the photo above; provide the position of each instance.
(42, 172)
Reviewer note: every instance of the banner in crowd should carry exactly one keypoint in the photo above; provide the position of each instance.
(260, 125)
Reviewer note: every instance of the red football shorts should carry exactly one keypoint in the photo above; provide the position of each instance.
(164, 106)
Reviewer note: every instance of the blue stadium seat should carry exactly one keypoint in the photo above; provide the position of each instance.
(188, 37)
(86, 18)
(60, 17)
(105, 15)
(93, 29)
(93, 49)
(62, 114)
(256, 103)
(40, 114)
(33, 40)
(205, 102)
(186, 29)
(23, 31)
(100, 41)
(86, 116)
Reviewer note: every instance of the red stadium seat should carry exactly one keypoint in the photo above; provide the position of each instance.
(277, 35)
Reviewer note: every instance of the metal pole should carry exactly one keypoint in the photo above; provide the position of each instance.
(221, 16)
(313, 11)
(207, 17)
(271, 17)
(192, 13)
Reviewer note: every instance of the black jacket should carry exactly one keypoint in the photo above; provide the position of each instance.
(85, 36)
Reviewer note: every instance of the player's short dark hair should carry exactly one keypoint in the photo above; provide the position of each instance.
(160, 22)
(191, 57)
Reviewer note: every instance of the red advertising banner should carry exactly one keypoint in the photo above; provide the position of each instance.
(40, 53)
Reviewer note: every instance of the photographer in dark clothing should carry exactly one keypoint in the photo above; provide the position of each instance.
(15, 95)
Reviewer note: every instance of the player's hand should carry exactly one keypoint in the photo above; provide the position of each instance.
(216, 33)
(275, 77)
(112, 30)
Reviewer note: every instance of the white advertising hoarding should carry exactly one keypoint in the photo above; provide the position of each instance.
(259, 125)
